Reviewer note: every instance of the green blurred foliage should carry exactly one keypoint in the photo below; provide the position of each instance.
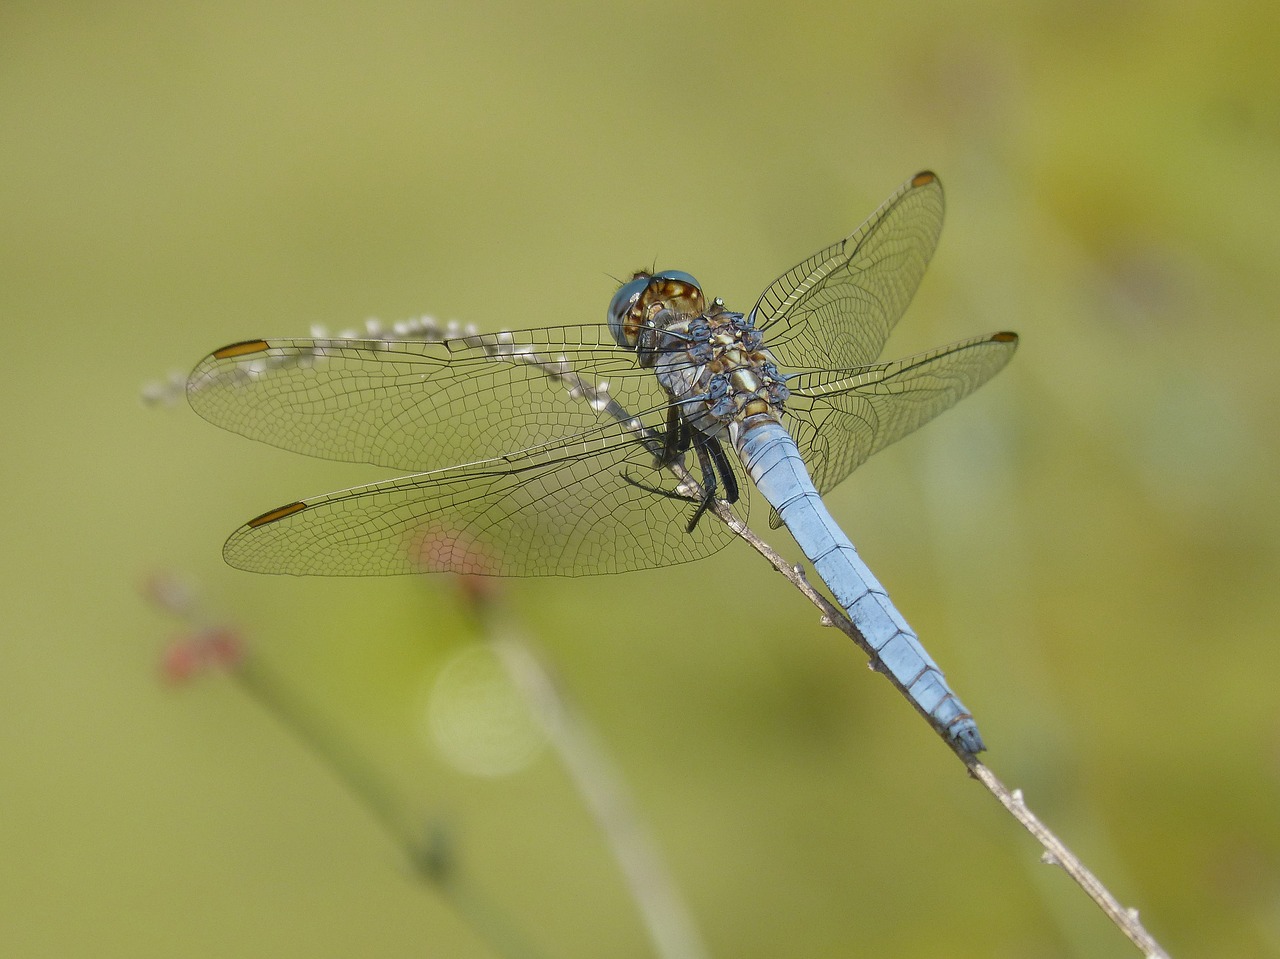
(1089, 546)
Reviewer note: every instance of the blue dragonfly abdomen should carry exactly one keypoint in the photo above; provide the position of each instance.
(773, 462)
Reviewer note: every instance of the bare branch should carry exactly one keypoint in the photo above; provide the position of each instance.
(1056, 853)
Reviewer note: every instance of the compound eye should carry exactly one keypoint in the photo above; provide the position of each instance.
(679, 276)
(638, 298)
(622, 324)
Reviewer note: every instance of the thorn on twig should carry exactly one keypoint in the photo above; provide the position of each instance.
(1049, 859)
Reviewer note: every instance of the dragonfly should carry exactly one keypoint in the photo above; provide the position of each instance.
(599, 448)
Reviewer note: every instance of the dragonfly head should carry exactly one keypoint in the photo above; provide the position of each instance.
(644, 296)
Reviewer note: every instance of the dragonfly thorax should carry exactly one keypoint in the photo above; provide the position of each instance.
(715, 366)
(712, 362)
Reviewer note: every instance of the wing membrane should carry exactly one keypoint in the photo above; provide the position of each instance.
(569, 509)
(841, 417)
(837, 308)
(423, 405)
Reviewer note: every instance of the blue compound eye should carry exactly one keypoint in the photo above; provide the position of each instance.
(620, 306)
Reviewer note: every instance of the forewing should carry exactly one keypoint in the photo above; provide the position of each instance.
(570, 509)
(416, 404)
(837, 308)
(841, 417)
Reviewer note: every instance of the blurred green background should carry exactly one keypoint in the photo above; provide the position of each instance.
(1089, 546)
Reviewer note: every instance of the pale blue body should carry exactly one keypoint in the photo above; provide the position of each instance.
(774, 464)
(719, 373)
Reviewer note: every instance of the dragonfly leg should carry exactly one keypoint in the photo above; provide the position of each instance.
(676, 437)
(714, 464)
(724, 468)
(659, 491)
(676, 441)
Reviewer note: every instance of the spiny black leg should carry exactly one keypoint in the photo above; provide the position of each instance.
(724, 468)
(706, 459)
(676, 439)
(669, 494)
(714, 464)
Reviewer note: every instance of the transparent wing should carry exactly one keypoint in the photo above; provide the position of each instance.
(841, 417)
(837, 308)
(424, 404)
(569, 509)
